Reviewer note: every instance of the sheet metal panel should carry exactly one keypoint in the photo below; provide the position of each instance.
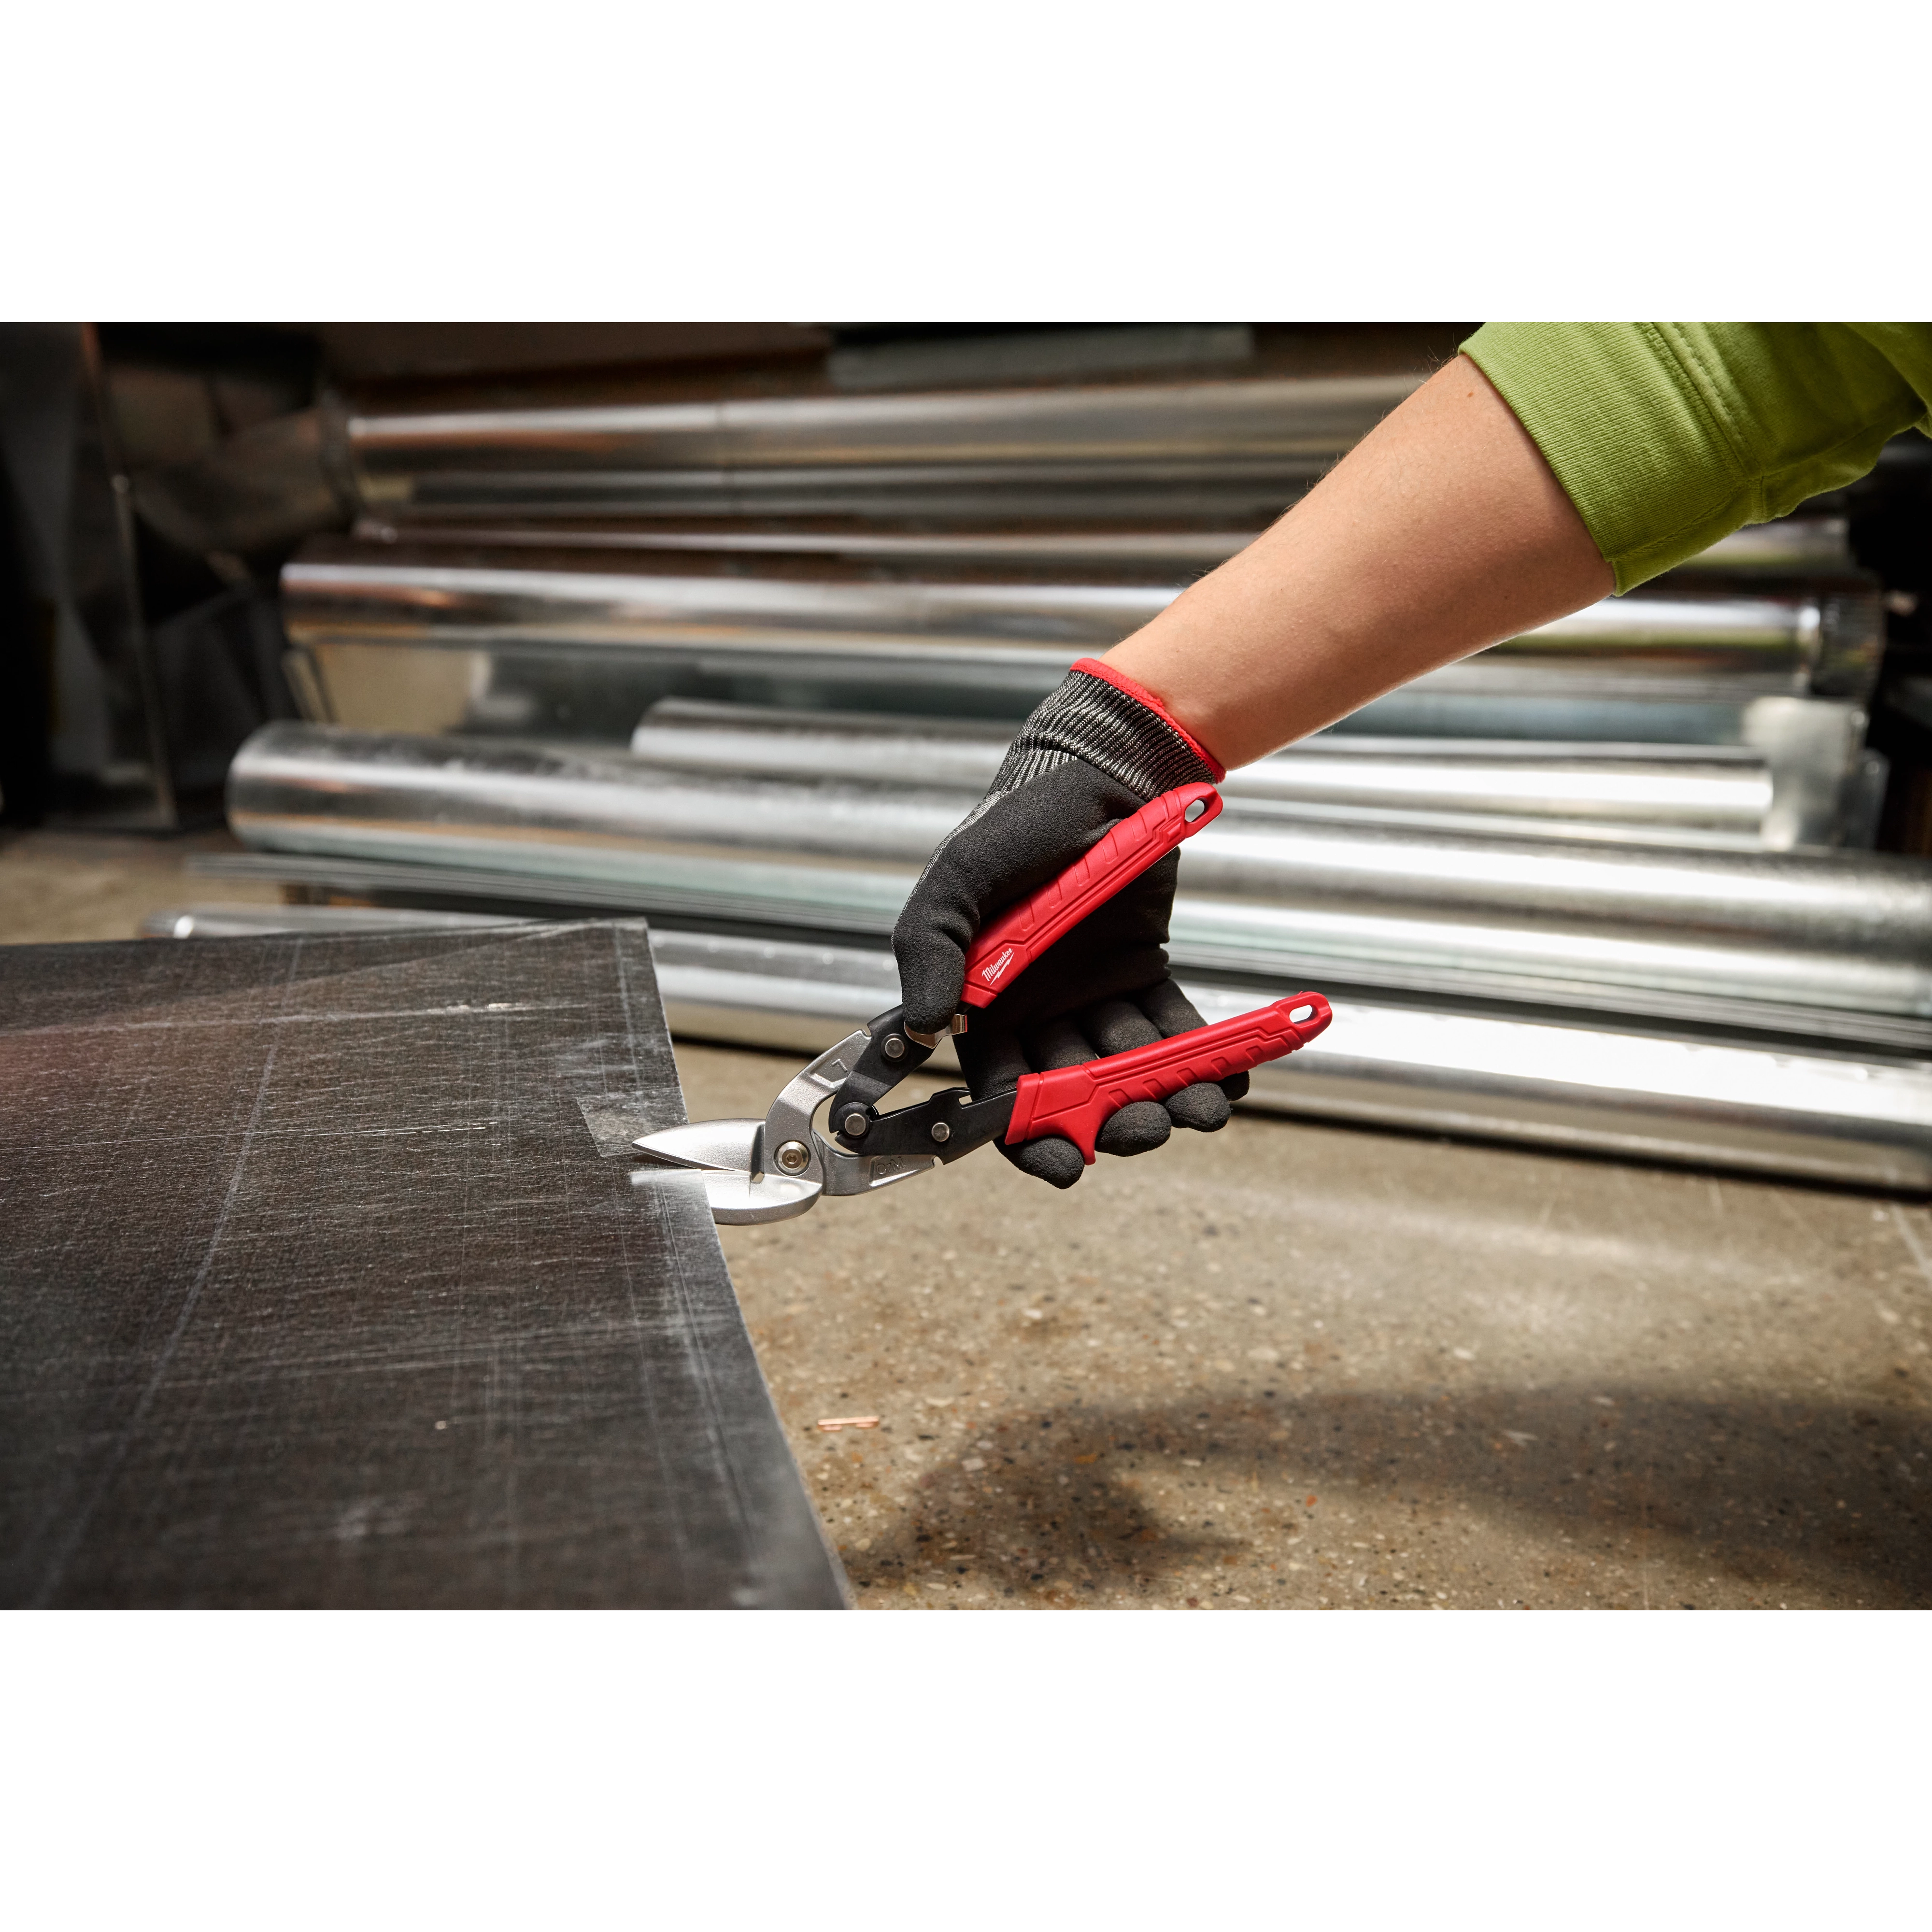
(322, 1283)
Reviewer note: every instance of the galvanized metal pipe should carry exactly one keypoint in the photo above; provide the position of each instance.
(339, 592)
(1732, 1104)
(805, 454)
(1721, 796)
(1791, 546)
(1851, 935)
(1156, 547)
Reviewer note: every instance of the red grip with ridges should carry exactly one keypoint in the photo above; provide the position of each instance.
(1076, 1101)
(1014, 940)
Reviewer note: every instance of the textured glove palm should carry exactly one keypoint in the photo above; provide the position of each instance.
(1092, 754)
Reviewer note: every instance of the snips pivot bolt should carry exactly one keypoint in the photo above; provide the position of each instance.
(794, 1157)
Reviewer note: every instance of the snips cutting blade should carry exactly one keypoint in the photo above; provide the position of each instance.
(722, 1153)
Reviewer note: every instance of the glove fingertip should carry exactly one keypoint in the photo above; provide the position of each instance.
(1235, 1086)
(1051, 1159)
(1203, 1107)
(1138, 1127)
(932, 975)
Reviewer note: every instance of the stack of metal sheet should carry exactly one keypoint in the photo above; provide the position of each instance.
(579, 658)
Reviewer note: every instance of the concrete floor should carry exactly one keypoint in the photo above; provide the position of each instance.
(86, 885)
(1294, 1365)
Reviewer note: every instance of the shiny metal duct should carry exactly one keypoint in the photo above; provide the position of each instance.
(538, 644)
(1727, 797)
(338, 592)
(1242, 445)
(1800, 942)
(1157, 547)
(1792, 546)
(1732, 1104)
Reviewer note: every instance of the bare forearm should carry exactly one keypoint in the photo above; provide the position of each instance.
(1441, 531)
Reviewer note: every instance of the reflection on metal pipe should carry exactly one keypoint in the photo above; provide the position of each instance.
(1247, 443)
(1153, 547)
(338, 592)
(596, 697)
(1791, 546)
(1731, 1104)
(401, 884)
(1723, 1104)
(1723, 796)
(1565, 923)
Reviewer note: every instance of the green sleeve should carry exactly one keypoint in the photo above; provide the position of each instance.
(1669, 435)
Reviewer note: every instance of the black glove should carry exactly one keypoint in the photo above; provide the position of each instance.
(1092, 754)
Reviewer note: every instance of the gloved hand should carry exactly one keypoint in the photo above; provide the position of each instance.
(1093, 753)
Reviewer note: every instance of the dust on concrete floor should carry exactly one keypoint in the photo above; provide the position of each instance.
(1296, 1366)
(60, 885)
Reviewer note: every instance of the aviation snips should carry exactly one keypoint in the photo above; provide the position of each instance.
(771, 1169)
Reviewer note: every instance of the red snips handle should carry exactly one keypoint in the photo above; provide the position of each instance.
(1014, 940)
(1075, 1100)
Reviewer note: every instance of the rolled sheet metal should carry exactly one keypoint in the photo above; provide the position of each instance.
(1248, 445)
(1791, 546)
(1731, 797)
(1732, 1104)
(1152, 546)
(1797, 939)
(596, 696)
(1017, 631)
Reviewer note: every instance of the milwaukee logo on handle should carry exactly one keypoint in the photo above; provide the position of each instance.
(1014, 940)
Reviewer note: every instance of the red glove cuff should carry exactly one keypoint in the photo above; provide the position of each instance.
(1106, 673)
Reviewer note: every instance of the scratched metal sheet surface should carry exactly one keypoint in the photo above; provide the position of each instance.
(322, 1283)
